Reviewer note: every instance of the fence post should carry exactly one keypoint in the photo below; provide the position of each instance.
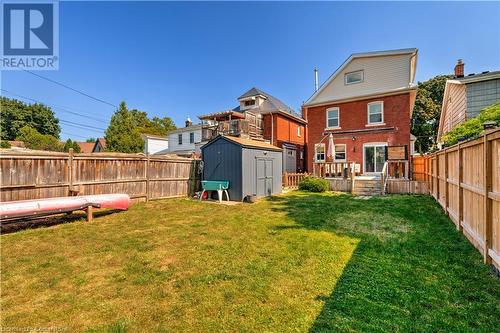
(70, 170)
(460, 190)
(146, 174)
(437, 177)
(446, 187)
(488, 216)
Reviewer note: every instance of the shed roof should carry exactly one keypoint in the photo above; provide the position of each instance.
(246, 143)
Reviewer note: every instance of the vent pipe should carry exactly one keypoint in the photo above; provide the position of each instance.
(316, 82)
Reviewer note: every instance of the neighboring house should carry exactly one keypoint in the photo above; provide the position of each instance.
(261, 116)
(154, 144)
(465, 96)
(85, 147)
(366, 105)
(99, 145)
(185, 140)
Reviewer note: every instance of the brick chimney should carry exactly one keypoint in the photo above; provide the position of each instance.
(459, 68)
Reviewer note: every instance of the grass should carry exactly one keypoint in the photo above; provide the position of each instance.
(298, 262)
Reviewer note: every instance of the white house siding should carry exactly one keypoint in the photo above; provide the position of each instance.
(156, 146)
(381, 74)
(173, 139)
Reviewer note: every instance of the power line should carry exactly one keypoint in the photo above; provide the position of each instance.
(73, 135)
(70, 123)
(61, 108)
(72, 89)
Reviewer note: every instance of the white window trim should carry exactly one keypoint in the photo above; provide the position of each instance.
(371, 144)
(368, 123)
(353, 72)
(338, 117)
(345, 152)
(191, 134)
(180, 136)
(299, 132)
(316, 154)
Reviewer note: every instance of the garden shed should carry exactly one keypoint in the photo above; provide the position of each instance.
(252, 167)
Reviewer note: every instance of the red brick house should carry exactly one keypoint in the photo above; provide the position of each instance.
(367, 106)
(261, 116)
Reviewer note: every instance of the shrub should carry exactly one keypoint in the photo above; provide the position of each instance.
(4, 144)
(313, 184)
(473, 127)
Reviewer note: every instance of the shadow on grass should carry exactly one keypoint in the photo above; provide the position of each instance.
(48, 221)
(412, 271)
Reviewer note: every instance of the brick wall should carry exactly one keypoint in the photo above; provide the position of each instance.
(353, 116)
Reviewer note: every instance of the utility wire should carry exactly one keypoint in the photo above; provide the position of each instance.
(72, 89)
(73, 135)
(61, 108)
(67, 122)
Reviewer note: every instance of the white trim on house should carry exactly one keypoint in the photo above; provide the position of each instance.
(381, 122)
(321, 144)
(371, 144)
(335, 152)
(335, 108)
(354, 72)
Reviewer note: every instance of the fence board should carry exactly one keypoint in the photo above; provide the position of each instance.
(465, 180)
(37, 175)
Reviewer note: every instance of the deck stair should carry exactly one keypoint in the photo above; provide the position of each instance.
(367, 185)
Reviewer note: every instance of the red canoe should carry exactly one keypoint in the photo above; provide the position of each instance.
(31, 208)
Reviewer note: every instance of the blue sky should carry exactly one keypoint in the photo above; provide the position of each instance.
(180, 59)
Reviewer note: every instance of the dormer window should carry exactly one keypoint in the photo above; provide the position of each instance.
(354, 77)
(250, 102)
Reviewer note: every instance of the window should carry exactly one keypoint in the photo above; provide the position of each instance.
(250, 102)
(298, 131)
(353, 77)
(180, 138)
(191, 137)
(332, 118)
(340, 153)
(376, 113)
(319, 150)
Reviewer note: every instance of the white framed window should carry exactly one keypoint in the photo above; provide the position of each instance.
(179, 137)
(299, 131)
(375, 113)
(319, 152)
(191, 137)
(333, 117)
(354, 77)
(340, 153)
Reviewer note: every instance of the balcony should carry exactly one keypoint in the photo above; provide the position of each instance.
(237, 127)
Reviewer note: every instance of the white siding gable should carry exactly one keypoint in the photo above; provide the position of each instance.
(381, 74)
(173, 139)
(156, 146)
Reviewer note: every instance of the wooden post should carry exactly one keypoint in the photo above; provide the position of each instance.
(90, 214)
(460, 189)
(446, 187)
(146, 174)
(437, 177)
(70, 171)
(488, 216)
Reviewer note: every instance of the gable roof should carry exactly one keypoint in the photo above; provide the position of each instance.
(99, 141)
(485, 76)
(86, 147)
(357, 56)
(270, 104)
(246, 143)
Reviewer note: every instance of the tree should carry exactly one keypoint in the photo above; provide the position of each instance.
(91, 140)
(35, 140)
(426, 113)
(71, 144)
(122, 134)
(16, 115)
(126, 126)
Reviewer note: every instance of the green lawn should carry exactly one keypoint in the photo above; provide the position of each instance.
(298, 262)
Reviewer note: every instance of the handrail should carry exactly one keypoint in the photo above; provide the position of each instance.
(385, 176)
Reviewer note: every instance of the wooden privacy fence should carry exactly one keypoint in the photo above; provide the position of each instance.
(37, 175)
(465, 180)
(292, 180)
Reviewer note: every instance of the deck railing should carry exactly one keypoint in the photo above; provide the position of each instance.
(292, 180)
(332, 169)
